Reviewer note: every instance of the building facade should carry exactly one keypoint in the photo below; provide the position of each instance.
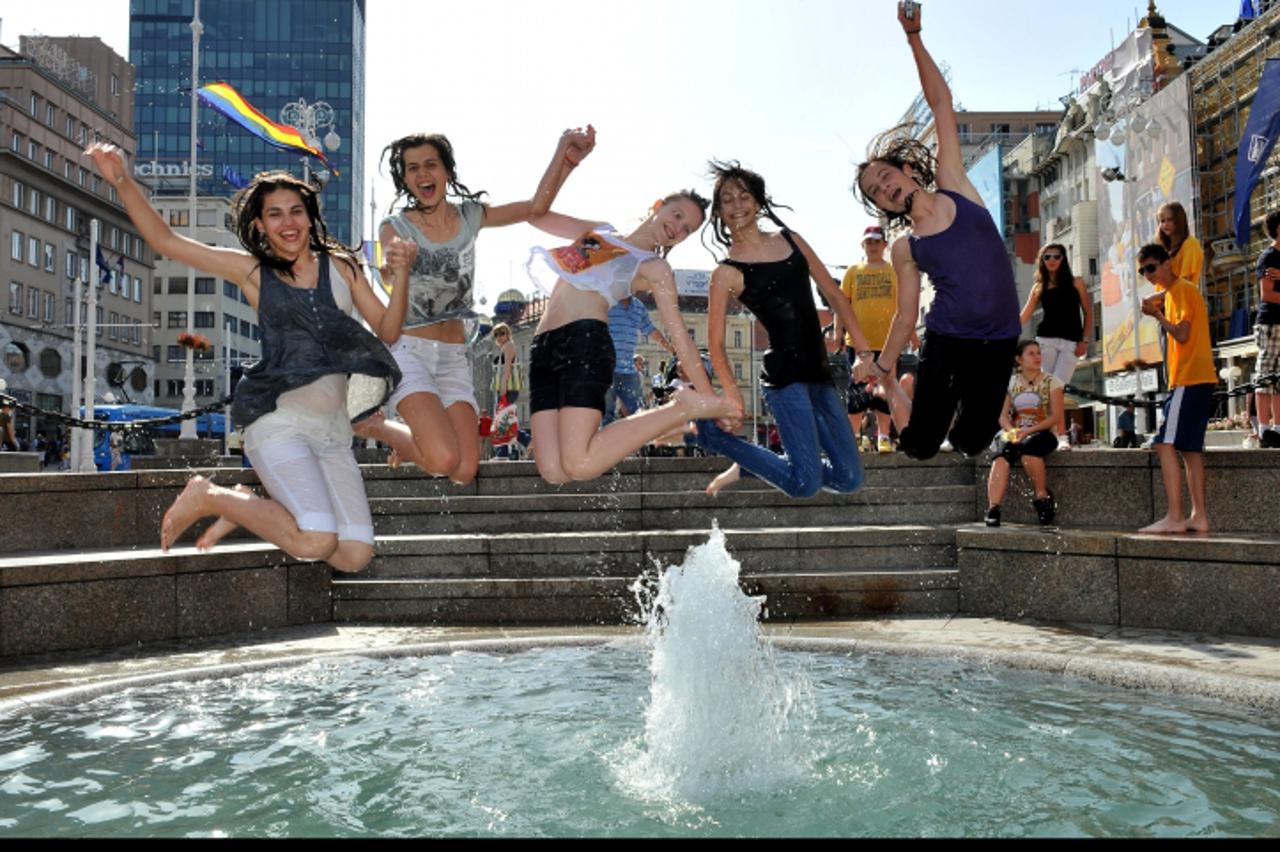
(56, 96)
(274, 54)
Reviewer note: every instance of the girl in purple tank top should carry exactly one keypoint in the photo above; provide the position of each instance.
(972, 328)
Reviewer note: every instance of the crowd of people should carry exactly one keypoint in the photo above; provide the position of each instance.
(971, 379)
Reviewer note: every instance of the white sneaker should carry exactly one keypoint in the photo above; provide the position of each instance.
(1064, 443)
(946, 447)
(1251, 443)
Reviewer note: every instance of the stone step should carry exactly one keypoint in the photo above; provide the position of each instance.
(631, 554)
(613, 600)
(590, 513)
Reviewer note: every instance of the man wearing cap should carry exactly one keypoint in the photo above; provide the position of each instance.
(872, 290)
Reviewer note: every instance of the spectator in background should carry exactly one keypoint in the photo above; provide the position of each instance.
(1180, 310)
(628, 322)
(1128, 437)
(1067, 313)
(1185, 252)
(1036, 400)
(8, 440)
(1267, 333)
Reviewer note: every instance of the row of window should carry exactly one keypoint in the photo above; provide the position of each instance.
(30, 200)
(76, 131)
(72, 172)
(41, 305)
(173, 388)
(44, 256)
(178, 355)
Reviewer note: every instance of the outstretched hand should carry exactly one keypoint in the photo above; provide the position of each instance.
(576, 144)
(909, 25)
(108, 160)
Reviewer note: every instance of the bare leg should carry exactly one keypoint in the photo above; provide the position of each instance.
(724, 480)
(1174, 521)
(587, 451)
(1035, 469)
(221, 528)
(429, 438)
(899, 402)
(265, 518)
(997, 482)
(1199, 520)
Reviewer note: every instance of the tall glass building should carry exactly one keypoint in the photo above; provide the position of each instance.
(274, 53)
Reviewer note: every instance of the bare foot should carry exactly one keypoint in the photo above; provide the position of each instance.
(221, 527)
(702, 406)
(724, 480)
(368, 426)
(1165, 526)
(1197, 524)
(185, 511)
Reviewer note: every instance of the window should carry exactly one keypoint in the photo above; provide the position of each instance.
(737, 338)
(257, 333)
(69, 218)
(33, 207)
(204, 287)
(35, 106)
(177, 319)
(50, 257)
(113, 332)
(155, 353)
(83, 176)
(50, 308)
(98, 319)
(244, 328)
(50, 363)
(72, 262)
(204, 387)
(33, 252)
(177, 286)
(137, 289)
(173, 354)
(71, 127)
(33, 303)
(115, 85)
(229, 323)
(174, 388)
(33, 152)
(205, 319)
(179, 219)
(157, 285)
(15, 298)
(111, 282)
(115, 238)
(15, 248)
(50, 208)
(48, 158)
(229, 290)
(15, 143)
(155, 319)
(19, 195)
(66, 169)
(70, 308)
(50, 115)
(737, 370)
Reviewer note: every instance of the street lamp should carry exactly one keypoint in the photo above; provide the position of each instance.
(188, 430)
(310, 119)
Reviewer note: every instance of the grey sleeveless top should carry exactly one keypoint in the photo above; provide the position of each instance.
(440, 285)
(305, 336)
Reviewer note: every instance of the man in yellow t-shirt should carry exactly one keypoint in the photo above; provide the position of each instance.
(872, 289)
(1181, 312)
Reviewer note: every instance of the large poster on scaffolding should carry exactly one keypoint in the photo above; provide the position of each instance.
(1150, 149)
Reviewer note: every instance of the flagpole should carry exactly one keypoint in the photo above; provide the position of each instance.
(188, 431)
(86, 463)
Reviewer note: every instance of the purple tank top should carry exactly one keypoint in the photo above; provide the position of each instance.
(975, 296)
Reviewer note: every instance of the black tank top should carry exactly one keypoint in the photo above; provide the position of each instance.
(779, 295)
(304, 338)
(1062, 318)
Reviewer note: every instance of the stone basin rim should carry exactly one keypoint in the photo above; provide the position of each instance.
(1250, 693)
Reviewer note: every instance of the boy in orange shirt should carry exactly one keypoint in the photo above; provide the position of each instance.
(1180, 310)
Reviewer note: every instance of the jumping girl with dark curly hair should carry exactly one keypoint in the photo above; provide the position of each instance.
(437, 399)
(319, 367)
(972, 328)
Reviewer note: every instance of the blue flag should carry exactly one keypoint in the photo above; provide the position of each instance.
(1256, 145)
(1247, 11)
(105, 275)
(233, 177)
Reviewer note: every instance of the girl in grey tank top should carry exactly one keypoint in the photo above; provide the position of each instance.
(439, 424)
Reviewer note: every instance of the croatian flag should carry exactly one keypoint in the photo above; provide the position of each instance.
(1256, 145)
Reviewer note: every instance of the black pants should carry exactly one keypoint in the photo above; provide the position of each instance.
(958, 380)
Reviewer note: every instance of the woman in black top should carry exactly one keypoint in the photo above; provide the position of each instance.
(1062, 333)
(769, 273)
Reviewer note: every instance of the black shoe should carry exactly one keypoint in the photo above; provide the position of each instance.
(1046, 510)
(1270, 440)
(993, 516)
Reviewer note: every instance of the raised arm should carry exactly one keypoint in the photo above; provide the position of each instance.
(937, 94)
(574, 147)
(233, 265)
(565, 227)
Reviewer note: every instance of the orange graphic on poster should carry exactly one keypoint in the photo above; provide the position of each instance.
(588, 252)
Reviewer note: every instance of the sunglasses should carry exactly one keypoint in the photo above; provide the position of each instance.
(1052, 257)
(1149, 269)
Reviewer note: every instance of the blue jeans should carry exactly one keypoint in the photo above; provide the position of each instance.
(811, 420)
(627, 387)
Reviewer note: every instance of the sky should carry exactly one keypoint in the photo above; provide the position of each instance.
(794, 89)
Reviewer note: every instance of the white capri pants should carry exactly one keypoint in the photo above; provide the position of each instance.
(305, 462)
(1059, 357)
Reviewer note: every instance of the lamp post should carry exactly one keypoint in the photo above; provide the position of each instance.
(188, 431)
(310, 119)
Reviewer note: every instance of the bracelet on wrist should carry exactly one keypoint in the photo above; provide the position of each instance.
(880, 367)
(916, 31)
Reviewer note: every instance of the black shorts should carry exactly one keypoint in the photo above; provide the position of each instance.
(961, 385)
(571, 367)
(1041, 445)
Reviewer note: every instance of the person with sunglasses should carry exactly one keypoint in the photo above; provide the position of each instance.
(1067, 313)
(1180, 310)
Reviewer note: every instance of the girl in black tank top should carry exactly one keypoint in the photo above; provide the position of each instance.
(797, 382)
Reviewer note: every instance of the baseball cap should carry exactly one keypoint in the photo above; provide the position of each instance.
(873, 232)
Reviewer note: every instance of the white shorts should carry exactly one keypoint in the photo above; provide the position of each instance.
(305, 462)
(429, 366)
(1059, 357)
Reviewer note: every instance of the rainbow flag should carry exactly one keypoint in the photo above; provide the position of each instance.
(226, 100)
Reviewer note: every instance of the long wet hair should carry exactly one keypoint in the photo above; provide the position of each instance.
(686, 195)
(1065, 277)
(731, 171)
(898, 147)
(394, 154)
(247, 206)
(1174, 244)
